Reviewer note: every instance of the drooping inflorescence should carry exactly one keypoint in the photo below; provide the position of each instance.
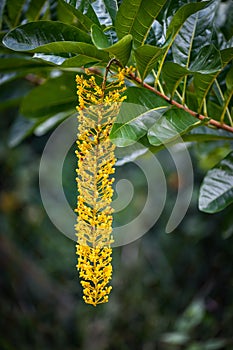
(98, 108)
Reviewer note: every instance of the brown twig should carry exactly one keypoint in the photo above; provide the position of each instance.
(112, 61)
(212, 122)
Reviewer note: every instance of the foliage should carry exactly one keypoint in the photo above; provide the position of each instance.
(183, 52)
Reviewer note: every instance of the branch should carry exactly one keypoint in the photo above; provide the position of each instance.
(212, 122)
(112, 61)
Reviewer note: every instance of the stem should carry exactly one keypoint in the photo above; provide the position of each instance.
(159, 84)
(219, 89)
(161, 66)
(178, 94)
(5, 19)
(225, 108)
(222, 97)
(113, 60)
(184, 89)
(205, 107)
(188, 61)
(212, 122)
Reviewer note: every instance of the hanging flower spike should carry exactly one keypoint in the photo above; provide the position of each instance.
(98, 107)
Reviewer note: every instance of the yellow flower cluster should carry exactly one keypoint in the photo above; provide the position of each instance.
(98, 107)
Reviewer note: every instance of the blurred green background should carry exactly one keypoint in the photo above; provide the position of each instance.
(170, 291)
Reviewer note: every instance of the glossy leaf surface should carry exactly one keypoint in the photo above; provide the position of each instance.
(196, 32)
(216, 191)
(121, 50)
(31, 35)
(207, 62)
(98, 37)
(146, 57)
(203, 82)
(136, 116)
(136, 17)
(173, 123)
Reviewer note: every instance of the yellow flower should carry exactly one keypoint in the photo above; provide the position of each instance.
(98, 107)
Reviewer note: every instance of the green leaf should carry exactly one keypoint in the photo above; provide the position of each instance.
(136, 17)
(50, 12)
(196, 32)
(214, 110)
(207, 61)
(227, 26)
(51, 59)
(181, 15)
(229, 79)
(32, 35)
(226, 55)
(146, 56)
(173, 123)
(14, 8)
(144, 97)
(173, 73)
(69, 14)
(85, 54)
(176, 23)
(34, 9)
(228, 93)
(216, 191)
(64, 47)
(99, 39)
(204, 133)
(140, 111)
(88, 55)
(54, 96)
(73, 62)
(90, 13)
(203, 82)
(112, 8)
(121, 50)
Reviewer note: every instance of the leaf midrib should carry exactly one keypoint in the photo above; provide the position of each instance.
(131, 120)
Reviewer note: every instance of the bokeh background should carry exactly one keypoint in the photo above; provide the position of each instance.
(170, 291)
